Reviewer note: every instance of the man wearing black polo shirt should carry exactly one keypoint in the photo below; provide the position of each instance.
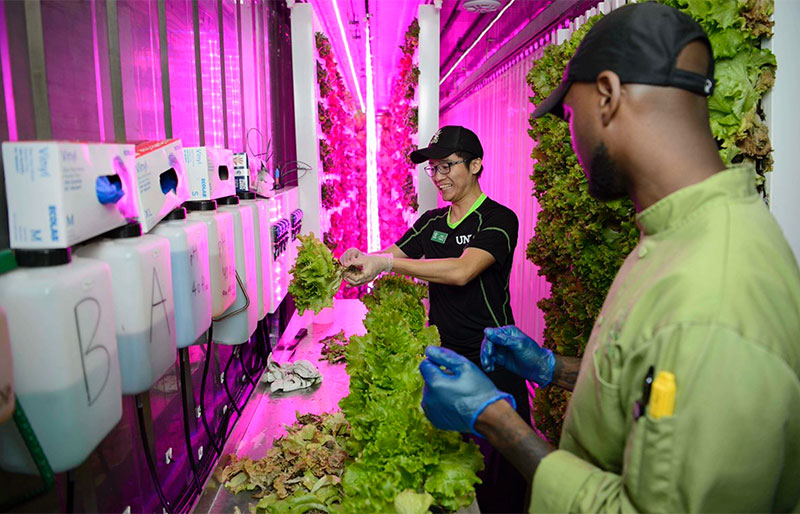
(465, 251)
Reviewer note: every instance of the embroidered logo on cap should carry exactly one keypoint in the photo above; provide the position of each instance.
(435, 138)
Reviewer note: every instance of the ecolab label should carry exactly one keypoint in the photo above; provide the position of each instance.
(51, 210)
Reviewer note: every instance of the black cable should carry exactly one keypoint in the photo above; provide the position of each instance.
(225, 384)
(260, 355)
(246, 371)
(185, 389)
(70, 506)
(267, 346)
(209, 348)
(149, 457)
(185, 501)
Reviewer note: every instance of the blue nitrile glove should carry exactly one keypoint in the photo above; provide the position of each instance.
(454, 398)
(108, 191)
(168, 183)
(511, 348)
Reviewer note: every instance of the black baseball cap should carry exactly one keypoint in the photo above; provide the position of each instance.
(640, 43)
(447, 140)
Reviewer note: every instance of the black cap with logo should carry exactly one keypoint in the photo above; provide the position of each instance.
(447, 140)
(640, 43)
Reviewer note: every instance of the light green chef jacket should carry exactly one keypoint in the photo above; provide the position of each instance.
(712, 294)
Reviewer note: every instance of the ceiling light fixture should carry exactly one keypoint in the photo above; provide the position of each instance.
(349, 57)
(373, 226)
(477, 40)
(481, 6)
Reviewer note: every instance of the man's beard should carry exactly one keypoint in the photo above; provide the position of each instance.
(606, 181)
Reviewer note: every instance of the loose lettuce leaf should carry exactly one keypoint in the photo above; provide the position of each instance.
(409, 502)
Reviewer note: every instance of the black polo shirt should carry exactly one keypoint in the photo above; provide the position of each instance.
(462, 312)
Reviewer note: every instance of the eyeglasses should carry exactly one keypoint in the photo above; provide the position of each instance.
(443, 168)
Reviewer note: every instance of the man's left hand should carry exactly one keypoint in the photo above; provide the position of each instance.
(361, 268)
(456, 390)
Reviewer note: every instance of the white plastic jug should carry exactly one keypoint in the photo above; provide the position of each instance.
(144, 308)
(6, 371)
(191, 283)
(221, 252)
(260, 209)
(239, 322)
(64, 348)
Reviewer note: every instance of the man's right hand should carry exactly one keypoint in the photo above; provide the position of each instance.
(349, 255)
(511, 348)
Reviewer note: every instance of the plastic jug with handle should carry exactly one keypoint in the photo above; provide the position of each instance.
(64, 353)
(144, 308)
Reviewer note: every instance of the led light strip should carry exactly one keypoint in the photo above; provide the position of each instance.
(373, 226)
(509, 4)
(347, 51)
(97, 80)
(8, 82)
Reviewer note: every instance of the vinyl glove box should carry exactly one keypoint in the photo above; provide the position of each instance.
(63, 193)
(210, 172)
(162, 183)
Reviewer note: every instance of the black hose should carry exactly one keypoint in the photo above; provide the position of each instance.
(149, 458)
(70, 507)
(265, 345)
(209, 348)
(185, 501)
(244, 367)
(225, 384)
(184, 355)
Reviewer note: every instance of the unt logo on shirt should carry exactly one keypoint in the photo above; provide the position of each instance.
(463, 239)
(439, 237)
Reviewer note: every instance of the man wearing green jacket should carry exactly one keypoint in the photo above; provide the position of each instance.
(687, 398)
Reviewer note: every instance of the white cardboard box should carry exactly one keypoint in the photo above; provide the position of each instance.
(241, 171)
(160, 164)
(52, 191)
(210, 172)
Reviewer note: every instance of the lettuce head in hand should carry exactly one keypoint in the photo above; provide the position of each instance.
(317, 276)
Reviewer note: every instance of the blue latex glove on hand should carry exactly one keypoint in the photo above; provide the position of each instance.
(511, 348)
(454, 398)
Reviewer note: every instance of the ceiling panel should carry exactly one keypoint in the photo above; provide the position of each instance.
(460, 28)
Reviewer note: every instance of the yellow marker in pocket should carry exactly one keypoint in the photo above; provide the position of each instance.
(662, 399)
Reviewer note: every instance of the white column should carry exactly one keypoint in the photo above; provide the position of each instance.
(304, 78)
(782, 107)
(428, 96)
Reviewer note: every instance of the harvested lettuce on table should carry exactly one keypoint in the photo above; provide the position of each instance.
(333, 348)
(317, 276)
(380, 454)
(401, 463)
(300, 473)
